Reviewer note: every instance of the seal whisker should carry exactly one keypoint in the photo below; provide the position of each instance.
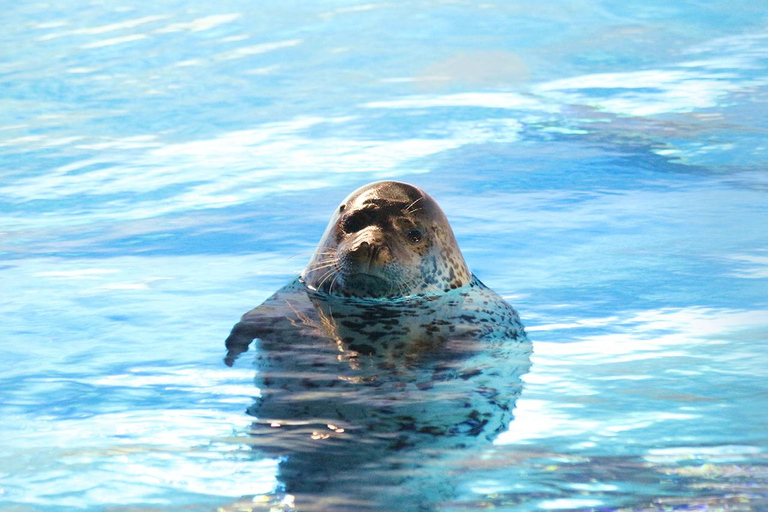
(323, 261)
(304, 253)
(406, 286)
(333, 282)
(328, 256)
(325, 277)
(322, 265)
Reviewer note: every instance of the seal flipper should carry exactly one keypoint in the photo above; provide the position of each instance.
(239, 339)
(264, 319)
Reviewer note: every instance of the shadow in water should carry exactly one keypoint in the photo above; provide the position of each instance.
(367, 401)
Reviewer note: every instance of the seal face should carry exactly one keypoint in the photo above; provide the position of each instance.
(387, 239)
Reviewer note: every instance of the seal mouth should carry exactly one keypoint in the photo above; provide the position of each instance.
(363, 284)
(366, 277)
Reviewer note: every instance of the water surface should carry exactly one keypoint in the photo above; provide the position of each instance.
(166, 166)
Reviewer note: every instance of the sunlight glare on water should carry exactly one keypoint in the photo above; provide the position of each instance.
(167, 166)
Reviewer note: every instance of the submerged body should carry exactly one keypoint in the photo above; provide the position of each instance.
(385, 353)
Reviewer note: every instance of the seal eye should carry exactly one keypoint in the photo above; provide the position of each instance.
(415, 235)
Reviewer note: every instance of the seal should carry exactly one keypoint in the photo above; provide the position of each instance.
(384, 353)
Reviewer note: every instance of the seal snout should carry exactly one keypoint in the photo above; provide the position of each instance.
(371, 253)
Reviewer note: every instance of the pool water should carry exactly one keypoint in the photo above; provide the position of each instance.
(167, 165)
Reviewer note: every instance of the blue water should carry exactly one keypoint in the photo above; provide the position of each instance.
(167, 165)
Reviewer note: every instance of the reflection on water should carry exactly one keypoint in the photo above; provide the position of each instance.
(401, 385)
(624, 413)
(166, 166)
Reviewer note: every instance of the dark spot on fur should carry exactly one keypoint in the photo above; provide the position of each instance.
(472, 373)
(402, 443)
(308, 384)
(363, 348)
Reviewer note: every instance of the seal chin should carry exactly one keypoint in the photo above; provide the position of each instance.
(361, 284)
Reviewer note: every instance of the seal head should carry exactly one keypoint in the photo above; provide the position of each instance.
(387, 240)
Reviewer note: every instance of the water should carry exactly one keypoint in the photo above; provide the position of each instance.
(168, 165)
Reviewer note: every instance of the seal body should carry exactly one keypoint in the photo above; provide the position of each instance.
(385, 355)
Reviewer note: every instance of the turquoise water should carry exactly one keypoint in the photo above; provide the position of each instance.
(166, 166)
